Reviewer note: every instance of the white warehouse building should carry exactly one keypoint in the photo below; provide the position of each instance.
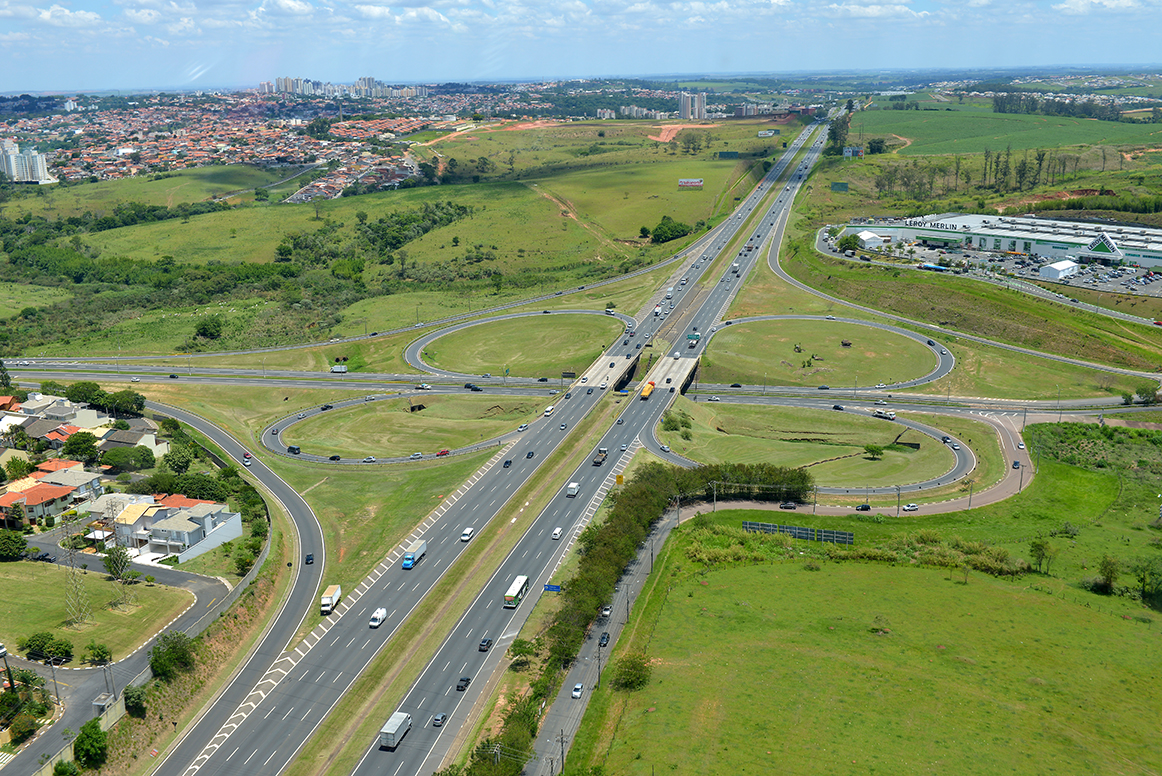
(1059, 270)
(1042, 237)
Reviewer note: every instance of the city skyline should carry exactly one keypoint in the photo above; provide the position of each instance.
(93, 45)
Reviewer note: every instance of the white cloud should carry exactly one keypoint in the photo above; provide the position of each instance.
(1082, 7)
(876, 11)
(156, 41)
(182, 25)
(288, 7)
(142, 15)
(16, 11)
(59, 16)
(13, 37)
(374, 11)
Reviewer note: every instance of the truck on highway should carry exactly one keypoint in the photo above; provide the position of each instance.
(340, 368)
(330, 598)
(657, 309)
(670, 292)
(885, 414)
(692, 339)
(736, 268)
(394, 729)
(572, 489)
(602, 454)
(647, 389)
(415, 553)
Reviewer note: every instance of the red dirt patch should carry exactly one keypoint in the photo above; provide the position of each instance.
(669, 132)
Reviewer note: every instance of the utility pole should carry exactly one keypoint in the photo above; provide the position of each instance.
(1058, 403)
(897, 501)
(1024, 417)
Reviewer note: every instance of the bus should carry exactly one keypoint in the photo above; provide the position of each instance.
(647, 389)
(516, 592)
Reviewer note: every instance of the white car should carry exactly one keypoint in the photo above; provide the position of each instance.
(1020, 445)
(603, 386)
(577, 689)
(665, 448)
(713, 398)
(880, 385)
(369, 459)
(415, 456)
(584, 379)
(523, 427)
(135, 379)
(557, 532)
(377, 617)
(831, 317)
(910, 507)
(467, 535)
(881, 402)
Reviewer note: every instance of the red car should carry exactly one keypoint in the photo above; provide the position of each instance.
(443, 452)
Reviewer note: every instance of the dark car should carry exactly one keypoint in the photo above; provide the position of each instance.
(310, 559)
(736, 385)
(542, 379)
(485, 644)
(569, 395)
(588, 391)
(334, 458)
(824, 387)
(625, 342)
(467, 385)
(544, 312)
(508, 463)
(173, 377)
(788, 505)
(612, 365)
(638, 346)
(1016, 464)
(274, 431)
(604, 640)
(945, 439)
(863, 507)
(327, 407)
(477, 388)
(462, 685)
(837, 407)
(931, 344)
(439, 719)
(529, 454)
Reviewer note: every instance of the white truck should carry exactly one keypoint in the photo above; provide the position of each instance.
(394, 729)
(330, 598)
(572, 489)
(657, 309)
(377, 617)
(415, 554)
(885, 414)
(340, 368)
(423, 387)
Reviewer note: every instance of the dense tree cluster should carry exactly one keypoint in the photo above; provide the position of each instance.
(1018, 102)
(669, 229)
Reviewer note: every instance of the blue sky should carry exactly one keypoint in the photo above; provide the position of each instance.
(102, 44)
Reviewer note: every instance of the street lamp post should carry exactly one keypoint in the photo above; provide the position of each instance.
(7, 668)
(418, 311)
(1058, 403)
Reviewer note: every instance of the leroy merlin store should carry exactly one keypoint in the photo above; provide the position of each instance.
(1083, 243)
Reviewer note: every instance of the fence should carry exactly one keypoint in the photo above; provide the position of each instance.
(801, 532)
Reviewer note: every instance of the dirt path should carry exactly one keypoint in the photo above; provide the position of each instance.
(568, 210)
(668, 133)
(907, 142)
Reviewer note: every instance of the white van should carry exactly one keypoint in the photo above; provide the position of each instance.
(549, 410)
(557, 532)
(377, 617)
(670, 292)
(467, 535)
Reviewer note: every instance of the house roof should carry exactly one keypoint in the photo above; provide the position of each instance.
(179, 501)
(35, 496)
(56, 464)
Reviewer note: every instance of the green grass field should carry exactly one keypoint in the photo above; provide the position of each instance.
(773, 668)
(40, 606)
(194, 185)
(528, 347)
(972, 131)
(394, 428)
(14, 297)
(764, 352)
(978, 308)
(830, 444)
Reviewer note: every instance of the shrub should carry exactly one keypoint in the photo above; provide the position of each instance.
(65, 768)
(632, 672)
(22, 728)
(135, 700)
(173, 654)
(91, 745)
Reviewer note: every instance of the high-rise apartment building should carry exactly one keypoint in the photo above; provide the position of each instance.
(27, 167)
(692, 106)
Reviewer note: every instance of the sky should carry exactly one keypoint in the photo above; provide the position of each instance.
(94, 45)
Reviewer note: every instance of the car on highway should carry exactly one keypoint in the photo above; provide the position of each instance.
(607, 610)
(476, 388)
(881, 402)
(302, 415)
(837, 407)
(542, 379)
(274, 431)
(788, 505)
(955, 446)
(443, 452)
(625, 342)
(485, 644)
(863, 507)
(415, 456)
(246, 456)
(529, 454)
(523, 427)
(369, 459)
(665, 448)
(377, 617)
(439, 720)
(1020, 445)
(612, 364)
(880, 385)
(831, 317)
(943, 352)
(327, 407)
(173, 377)
(624, 448)
(588, 391)
(310, 559)
(713, 398)
(135, 379)
(568, 394)
(931, 344)
(911, 507)
(578, 689)
(564, 426)
(246, 462)
(732, 385)
(508, 463)
(557, 533)
(604, 640)
(462, 685)
(334, 458)
(1016, 464)
(945, 439)
(824, 387)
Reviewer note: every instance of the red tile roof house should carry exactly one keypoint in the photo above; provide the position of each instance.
(39, 501)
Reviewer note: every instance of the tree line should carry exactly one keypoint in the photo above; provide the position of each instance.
(1021, 102)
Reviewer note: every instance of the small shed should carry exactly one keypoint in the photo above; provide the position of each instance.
(868, 239)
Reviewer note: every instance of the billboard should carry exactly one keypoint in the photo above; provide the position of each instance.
(689, 183)
(852, 152)
(839, 185)
(728, 154)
